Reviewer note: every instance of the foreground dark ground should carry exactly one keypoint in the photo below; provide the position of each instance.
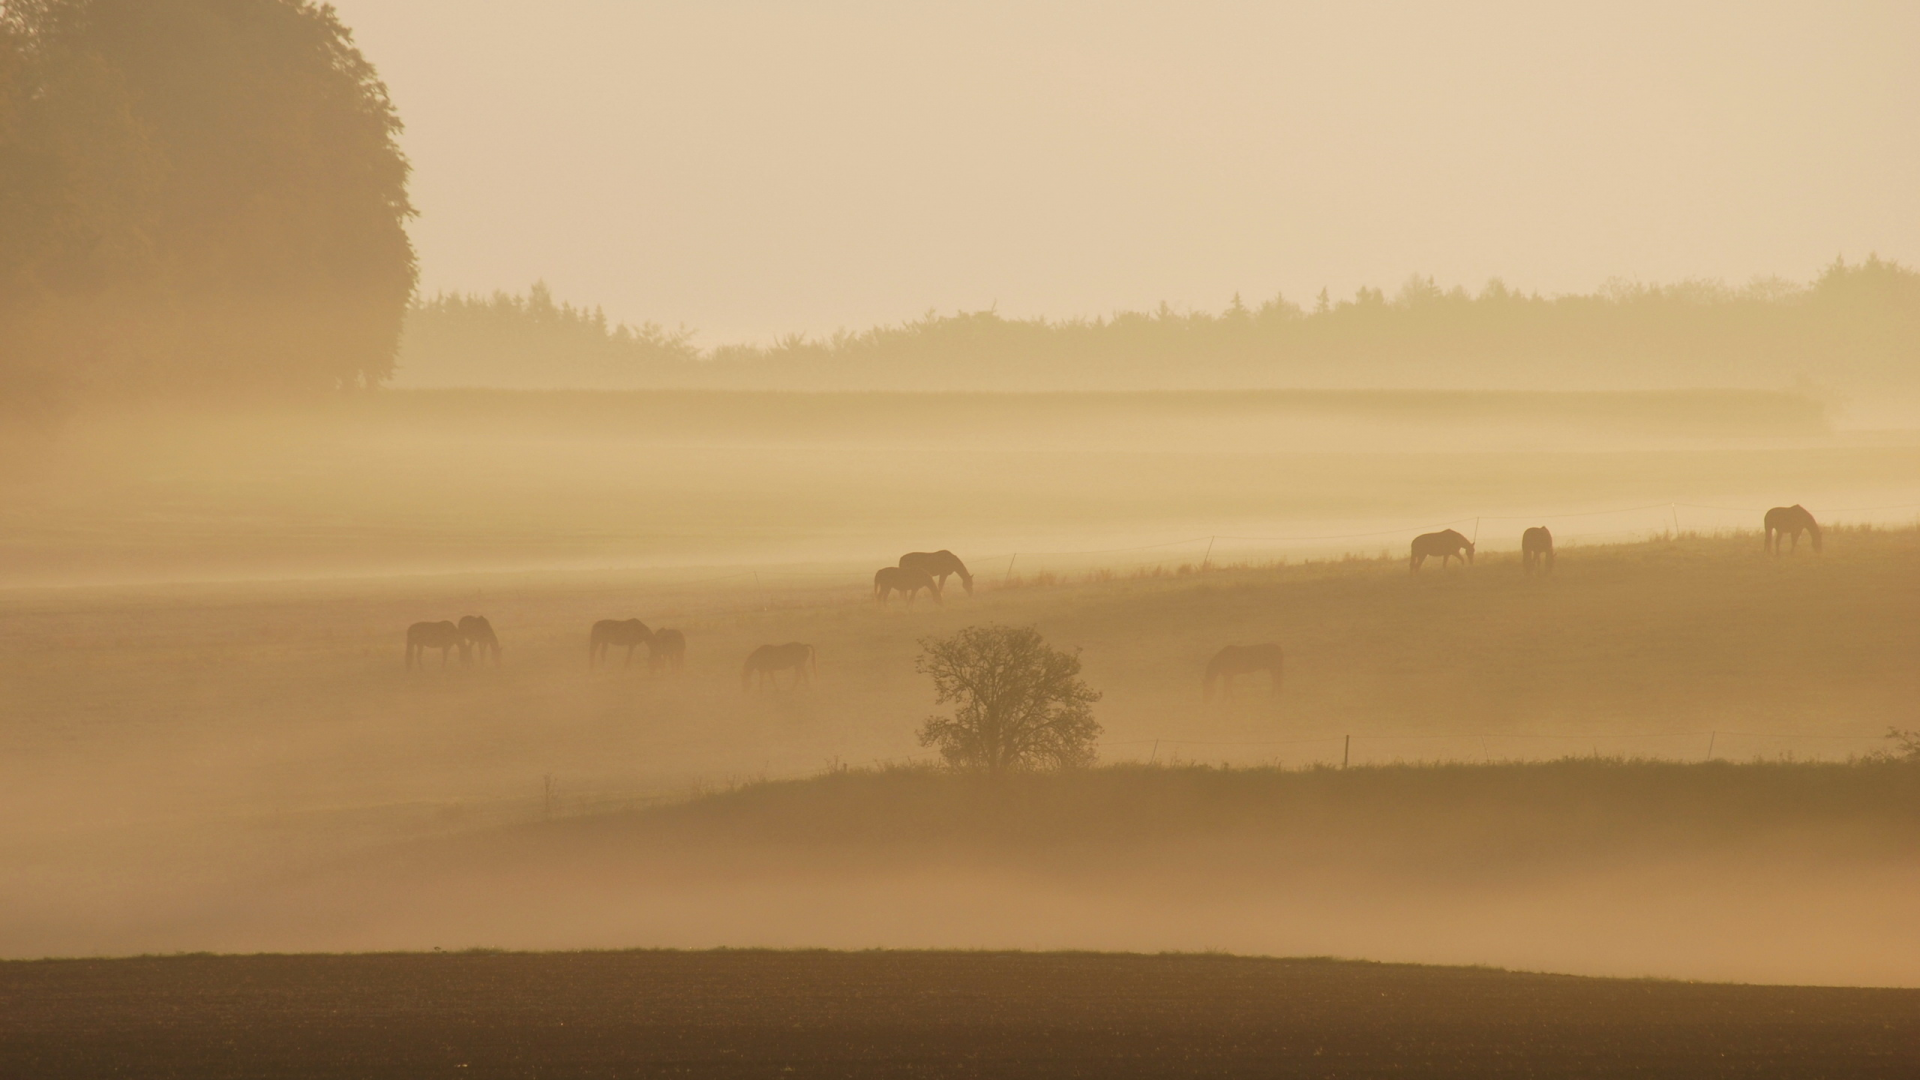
(750, 1013)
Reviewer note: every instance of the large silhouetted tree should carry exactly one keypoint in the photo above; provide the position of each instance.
(195, 196)
(1018, 702)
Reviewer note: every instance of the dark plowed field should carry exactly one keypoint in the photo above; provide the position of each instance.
(787, 1014)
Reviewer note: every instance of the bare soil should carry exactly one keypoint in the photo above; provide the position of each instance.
(786, 1014)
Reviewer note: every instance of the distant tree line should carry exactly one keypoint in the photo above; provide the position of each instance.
(1857, 325)
(196, 196)
(526, 342)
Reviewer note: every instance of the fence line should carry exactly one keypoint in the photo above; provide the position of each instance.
(555, 799)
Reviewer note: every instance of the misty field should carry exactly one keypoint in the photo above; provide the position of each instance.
(433, 482)
(750, 1014)
(232, 766)
(211, 741)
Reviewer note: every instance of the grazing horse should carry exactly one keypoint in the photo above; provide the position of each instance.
(477, 632)
(442, 635)
(1536, 549)
(938, 565)
(1241, 660)
(666, 649)
(1447, 545)
(610, 632)
(907, 582)
(768, 659)
(1785, 521)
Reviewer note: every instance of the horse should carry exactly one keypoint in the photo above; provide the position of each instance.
(442, 635)
(666, 649)
(477, 632)
(609, 632)
(938, 565)
(889, 579)
(1448, 545)
(768, 659)
(1785, 521)
(1536, 549)
(1241, 660)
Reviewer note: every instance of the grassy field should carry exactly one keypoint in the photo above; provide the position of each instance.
(465, 481)
(223, 713)
(753, 1014)
(196, 745)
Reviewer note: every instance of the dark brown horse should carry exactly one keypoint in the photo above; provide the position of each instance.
(477, 632)
(768, 659)
(938, 565)
(667, 649)
(1241, 660)
(908, 583)
(1446, 546)
(610, 632)
(1790, 521)
(1536, 550)
(442, 635)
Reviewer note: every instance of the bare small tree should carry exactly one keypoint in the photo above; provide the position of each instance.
(1019, 703)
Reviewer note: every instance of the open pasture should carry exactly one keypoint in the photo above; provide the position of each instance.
(754, 1014)
(182, 741)
(431, 482)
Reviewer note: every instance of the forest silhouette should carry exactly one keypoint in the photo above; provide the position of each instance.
(1857, 325)
(196, 197)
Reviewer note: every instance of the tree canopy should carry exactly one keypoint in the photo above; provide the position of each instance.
(1019, 702)
(196, 196)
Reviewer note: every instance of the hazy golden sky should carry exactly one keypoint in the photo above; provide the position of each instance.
(749, 169)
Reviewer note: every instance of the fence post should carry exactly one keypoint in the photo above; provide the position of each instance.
(1675, 507)
(1346, 753)
(1208, 557)
(1711, 738)
(1010, 561)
